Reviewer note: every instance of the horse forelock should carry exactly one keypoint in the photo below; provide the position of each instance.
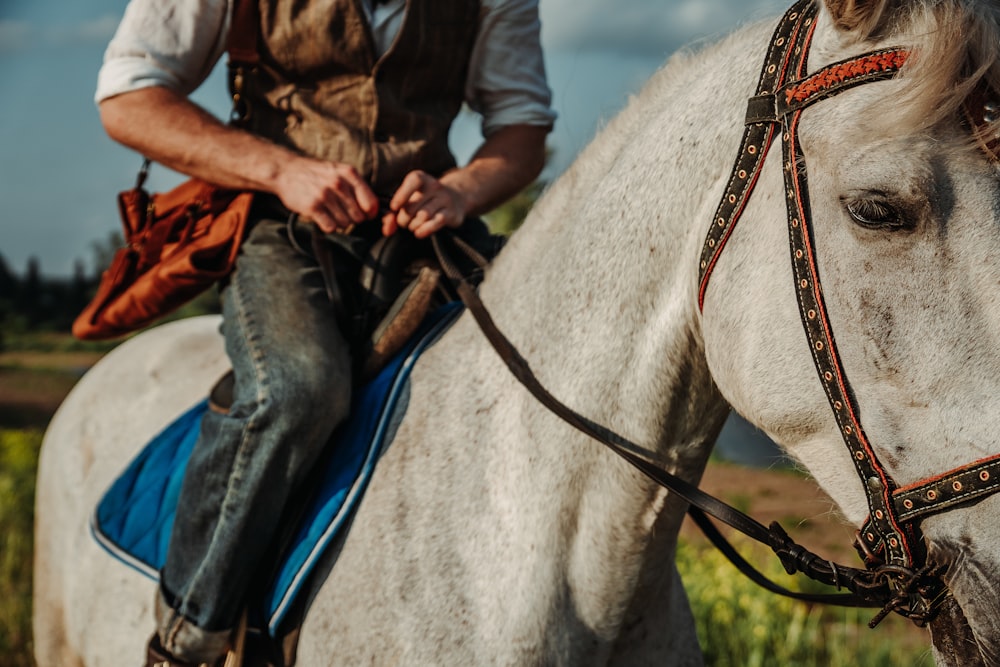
(955, 56)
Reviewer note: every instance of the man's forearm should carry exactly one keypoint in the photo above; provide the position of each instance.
(507, 162)
(172, 130)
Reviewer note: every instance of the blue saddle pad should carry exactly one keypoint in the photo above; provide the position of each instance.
(134, 519)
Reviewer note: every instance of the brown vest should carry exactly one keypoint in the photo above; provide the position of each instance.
(320, 88)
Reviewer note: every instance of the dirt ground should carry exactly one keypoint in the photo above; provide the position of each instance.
(787, 496)
(33, 384)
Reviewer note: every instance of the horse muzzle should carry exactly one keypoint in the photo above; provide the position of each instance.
(966, 628)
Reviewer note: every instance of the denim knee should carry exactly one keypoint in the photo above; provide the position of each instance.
(305, 401)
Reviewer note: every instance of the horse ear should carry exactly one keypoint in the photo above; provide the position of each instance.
(866, 17)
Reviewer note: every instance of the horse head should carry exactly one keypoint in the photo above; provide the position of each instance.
(894, 239)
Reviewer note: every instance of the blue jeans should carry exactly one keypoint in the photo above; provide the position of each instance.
(292, 388)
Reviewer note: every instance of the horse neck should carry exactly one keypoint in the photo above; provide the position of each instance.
(599, 287)
(598, 290)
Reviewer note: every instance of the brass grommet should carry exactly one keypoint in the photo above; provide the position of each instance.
(732, 199)
(984, 475)
(743, 173)
(908, 504)
(932, 495)
(957, 486)
(795, 222)
(893, 542)
(711, 243)
(879, 515)
(829, 376)
(837, 405)
(859, 456)
(752, 150)
(804, 284)
(799, 254)
(722, 222)
(771, 68)
(819, 345)
(812, 314)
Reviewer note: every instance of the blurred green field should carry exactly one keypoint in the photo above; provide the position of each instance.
(36, 373)
(741, 625)
(18, 458)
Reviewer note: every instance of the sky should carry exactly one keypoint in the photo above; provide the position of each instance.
(59, 173)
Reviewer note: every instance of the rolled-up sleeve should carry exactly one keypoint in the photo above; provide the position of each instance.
(170, 43)
(507, 83)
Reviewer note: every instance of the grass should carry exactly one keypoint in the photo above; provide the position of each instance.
(742, 625)
(18, 460)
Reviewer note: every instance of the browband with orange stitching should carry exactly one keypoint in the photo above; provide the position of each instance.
(851, 72)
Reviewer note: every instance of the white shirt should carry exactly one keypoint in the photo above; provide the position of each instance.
(176, 44)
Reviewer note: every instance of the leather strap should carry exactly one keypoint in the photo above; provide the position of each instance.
(241, 43)
(784, 92)
(868, 589)
(243, 55)
(889, 541)
(757, 139)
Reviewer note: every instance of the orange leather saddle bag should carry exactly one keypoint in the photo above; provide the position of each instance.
(177, 245)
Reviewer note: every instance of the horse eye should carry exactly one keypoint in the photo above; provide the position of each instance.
(876, 214)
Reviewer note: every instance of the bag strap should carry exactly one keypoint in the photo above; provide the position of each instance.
(242, 47)
(242, 41)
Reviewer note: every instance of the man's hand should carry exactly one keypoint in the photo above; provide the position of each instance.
(508, 160)
(330, 194)
(167, 127)
(424, 204)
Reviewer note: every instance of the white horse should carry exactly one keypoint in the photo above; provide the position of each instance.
(491, 532)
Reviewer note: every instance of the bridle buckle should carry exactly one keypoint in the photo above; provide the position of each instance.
(915, 594)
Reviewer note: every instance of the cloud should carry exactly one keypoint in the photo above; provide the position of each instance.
(16, 36)
(642, 26)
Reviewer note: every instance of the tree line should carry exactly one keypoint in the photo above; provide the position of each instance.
(35, 302)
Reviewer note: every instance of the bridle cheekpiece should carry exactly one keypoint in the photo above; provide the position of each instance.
(890, 541)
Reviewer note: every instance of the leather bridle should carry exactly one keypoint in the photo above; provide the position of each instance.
(897, 577)
(891, 536)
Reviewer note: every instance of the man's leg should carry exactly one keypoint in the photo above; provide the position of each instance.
(292, 387)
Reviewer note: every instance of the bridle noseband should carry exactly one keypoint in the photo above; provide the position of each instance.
(897, 577)
(890, 540)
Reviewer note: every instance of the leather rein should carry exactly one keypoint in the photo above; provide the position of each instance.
(897, 577)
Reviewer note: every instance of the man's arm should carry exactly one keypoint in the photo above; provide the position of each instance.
(167, 127)
(509, 160)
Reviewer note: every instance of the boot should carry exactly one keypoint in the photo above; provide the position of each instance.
(157, 656)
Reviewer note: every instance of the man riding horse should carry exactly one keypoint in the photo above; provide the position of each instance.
(345, 123)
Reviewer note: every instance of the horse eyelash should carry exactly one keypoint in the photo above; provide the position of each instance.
(876, 214)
